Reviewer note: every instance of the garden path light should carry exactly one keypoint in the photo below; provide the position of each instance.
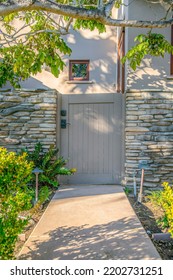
(36, 171)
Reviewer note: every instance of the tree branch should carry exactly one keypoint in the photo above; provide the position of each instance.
(13, 38)
(77, 12)
(100, 4)
(108, 7)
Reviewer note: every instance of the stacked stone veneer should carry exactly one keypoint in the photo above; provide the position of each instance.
(149, 135)
(27, 117)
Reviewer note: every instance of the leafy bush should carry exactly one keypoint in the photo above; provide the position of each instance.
(17, 192)
(164, 199)
(49, 163)
(15, 173)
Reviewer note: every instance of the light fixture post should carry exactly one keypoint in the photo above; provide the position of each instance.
(36, 171)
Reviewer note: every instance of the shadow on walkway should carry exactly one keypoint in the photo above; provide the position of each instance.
(100, 225)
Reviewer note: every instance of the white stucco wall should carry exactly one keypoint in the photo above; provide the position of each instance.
(100, 49)
(154, 71)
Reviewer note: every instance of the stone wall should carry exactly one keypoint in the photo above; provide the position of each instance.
(149, 136)
(27, 117)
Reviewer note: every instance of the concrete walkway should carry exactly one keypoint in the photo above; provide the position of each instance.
(89, 222)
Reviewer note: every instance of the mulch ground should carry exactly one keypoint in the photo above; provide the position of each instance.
(148, 215)
(31, 225)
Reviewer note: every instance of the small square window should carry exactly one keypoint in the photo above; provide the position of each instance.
(79, 70)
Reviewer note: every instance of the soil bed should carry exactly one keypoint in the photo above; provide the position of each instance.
(148, 215)
(31, 225)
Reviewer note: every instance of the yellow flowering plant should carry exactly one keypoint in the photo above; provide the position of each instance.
(164, 199)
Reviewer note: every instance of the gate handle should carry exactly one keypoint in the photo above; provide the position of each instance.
(68, 123)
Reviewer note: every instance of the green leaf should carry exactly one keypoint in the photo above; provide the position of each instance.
(133, 64)
(55, 70)
(153, 44)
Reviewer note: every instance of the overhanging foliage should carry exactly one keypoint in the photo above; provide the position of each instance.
(39, 39)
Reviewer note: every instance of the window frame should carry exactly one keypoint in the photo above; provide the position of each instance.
(120, 66)
(171, 61)
(79, 61)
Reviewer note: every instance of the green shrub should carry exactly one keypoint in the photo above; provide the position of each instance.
(43, 196)
(127, 190)
(15, 173)
(164, 199)
(51, 165)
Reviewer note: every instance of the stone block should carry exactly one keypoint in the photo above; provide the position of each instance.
(136, 129)
(131, 118)
(31, 125)
(168, 119)
(37, 136)
(150, 185)
(50, 114)
(131, 155)
(144, 137)
(146, 117)
(47, 125)
(26, 119)
(21, 114)
(3, 124)
(13, 98)
(27, 140)
(18, 133)
(35, 121)
(159, 116)
(132, 112)
(147, 106)
(50, 100)
(14, 125)
(131, 124)
(16, 109)
(131, 165)
(162, 128)
(163, 123)
(157, 112)
(47, 106)
(45, 129)
(4, 105)
(133, 94)
(25, 94)
(152, 179)
(37, 114)
(170, 115)
(164, 106)
(35, 100)
(163, 138)
(9, 140)
(48, 142)
(146, 124)
(4, 133)
(130, 137)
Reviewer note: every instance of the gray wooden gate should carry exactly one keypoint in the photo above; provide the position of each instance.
(91, 137)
